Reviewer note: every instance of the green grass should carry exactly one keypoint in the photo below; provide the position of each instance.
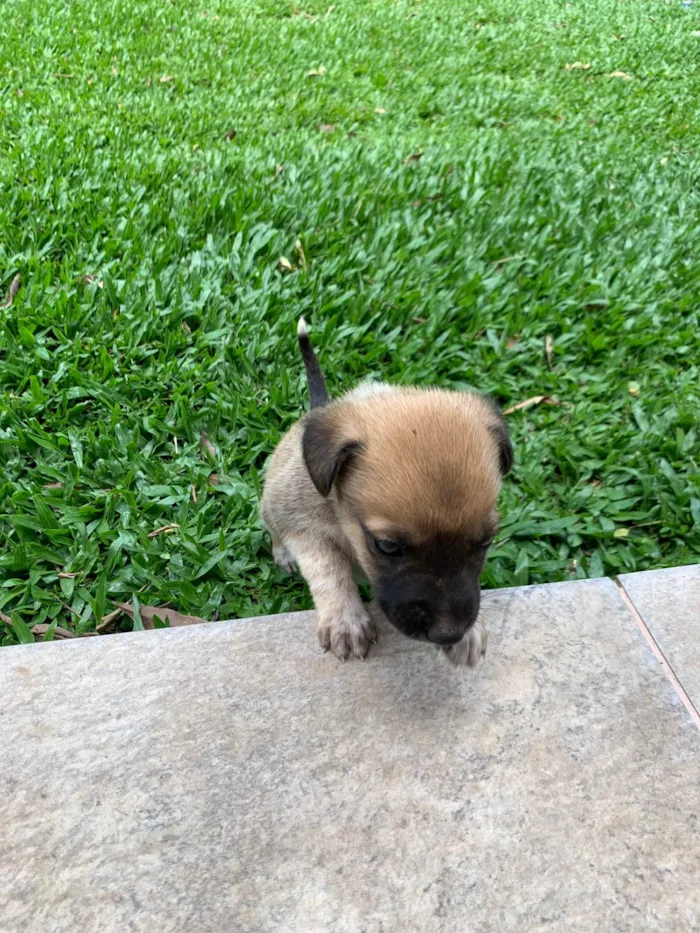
(547, 202)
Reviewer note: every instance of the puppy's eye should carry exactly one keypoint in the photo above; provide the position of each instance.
(486, 543)
(387, 547)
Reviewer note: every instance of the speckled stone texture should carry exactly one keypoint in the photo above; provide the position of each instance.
(231, 778)
(669, 603)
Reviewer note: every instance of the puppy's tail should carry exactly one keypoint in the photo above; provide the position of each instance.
(314, 376)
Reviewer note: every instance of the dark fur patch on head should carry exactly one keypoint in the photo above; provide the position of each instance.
(327, 453)
(499, 430)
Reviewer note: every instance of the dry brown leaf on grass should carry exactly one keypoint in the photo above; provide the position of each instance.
(149, 613)
(12, 293)
(166, 79)
(548, 349)
(206, 446)
(285, 265)
(230, 134)
(578, 66)
(89, 279)
(512, 342)
(108, 625)
(58, 633)
(214, 479)
(413, 157)
(316, 72)
(326, 127)
(67, 576)
(6, 619)
(165, 530)
(61, 74)
(530, 402)
(193, 493)
(379, 110)
(70, 609)
(621, 74)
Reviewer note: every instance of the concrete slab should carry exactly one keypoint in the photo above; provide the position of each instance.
(669, 604)
(230, 778)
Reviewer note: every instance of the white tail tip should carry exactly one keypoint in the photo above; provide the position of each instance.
(302, 329)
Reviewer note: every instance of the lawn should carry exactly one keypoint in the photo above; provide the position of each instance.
(501, 195)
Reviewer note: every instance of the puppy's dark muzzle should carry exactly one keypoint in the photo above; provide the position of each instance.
(444, 638)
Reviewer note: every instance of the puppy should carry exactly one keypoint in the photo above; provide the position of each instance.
(397, 483)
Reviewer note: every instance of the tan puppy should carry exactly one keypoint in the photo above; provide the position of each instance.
(398, 483)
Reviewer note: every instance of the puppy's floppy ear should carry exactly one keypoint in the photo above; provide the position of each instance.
(499, 431)
(327, 447)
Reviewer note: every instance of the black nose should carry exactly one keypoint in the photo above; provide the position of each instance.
(444, 638)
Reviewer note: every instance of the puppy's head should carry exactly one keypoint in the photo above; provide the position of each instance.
(415, 476)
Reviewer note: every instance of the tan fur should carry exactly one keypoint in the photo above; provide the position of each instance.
(428, 464)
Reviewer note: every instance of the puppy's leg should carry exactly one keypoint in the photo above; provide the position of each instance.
(343, 624)
(282, 555)
(469, 651)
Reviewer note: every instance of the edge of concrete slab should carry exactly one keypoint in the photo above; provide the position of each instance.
(656, 648)
(617, 582)
(177, 631)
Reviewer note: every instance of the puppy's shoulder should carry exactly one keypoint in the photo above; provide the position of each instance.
(287, 457)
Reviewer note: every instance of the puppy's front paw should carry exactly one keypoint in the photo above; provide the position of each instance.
(350, 633)
(469, 651)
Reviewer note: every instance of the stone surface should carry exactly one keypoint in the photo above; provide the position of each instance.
(230, 778)
(669, 603)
